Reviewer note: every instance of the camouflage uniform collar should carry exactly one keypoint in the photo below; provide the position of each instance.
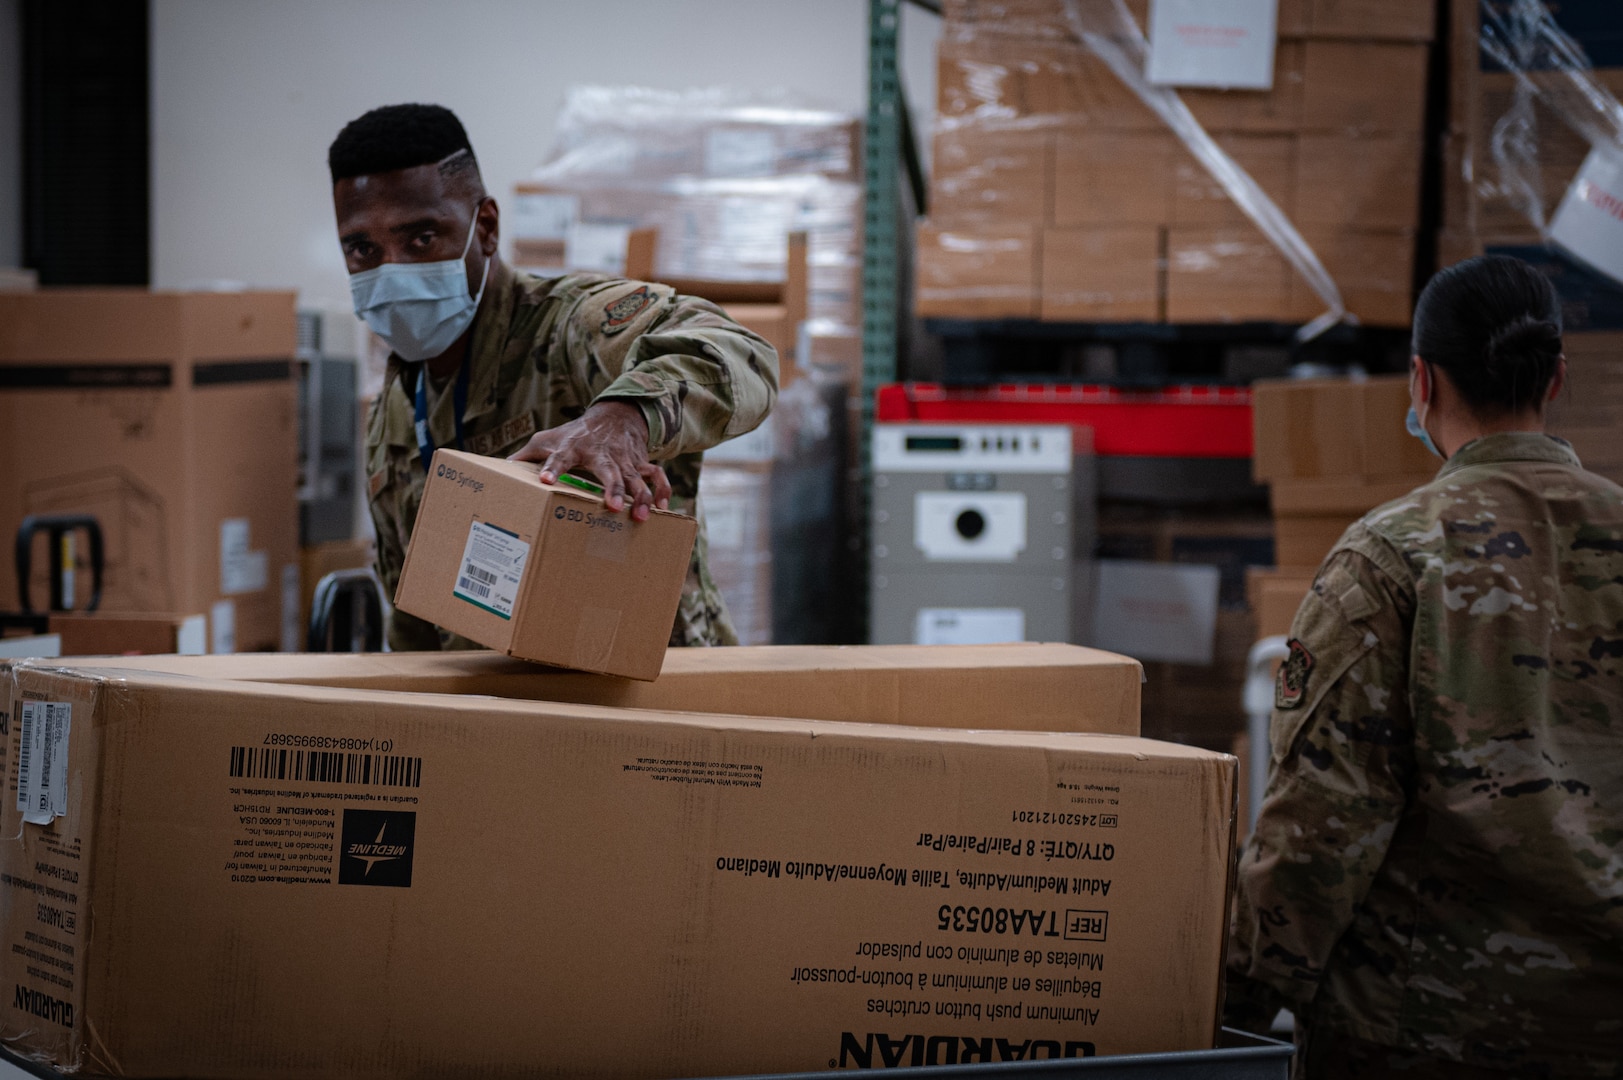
(1512, 446)
(490, 329)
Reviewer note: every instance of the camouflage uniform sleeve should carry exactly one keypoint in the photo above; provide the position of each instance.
(698, 377)
(1340, 779)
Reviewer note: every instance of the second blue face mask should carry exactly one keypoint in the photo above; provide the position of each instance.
(420, 309)
(1418, 430)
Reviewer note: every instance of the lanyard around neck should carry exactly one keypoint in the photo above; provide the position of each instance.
(425, 441)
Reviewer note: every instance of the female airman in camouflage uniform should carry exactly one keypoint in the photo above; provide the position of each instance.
(1435, 886)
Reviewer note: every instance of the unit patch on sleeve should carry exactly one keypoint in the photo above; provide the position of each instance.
(1291, 688)
(620, 314)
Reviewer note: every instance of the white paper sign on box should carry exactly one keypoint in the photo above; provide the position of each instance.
(969, 626)
(1156, 611)
(1590, 221)
(1223, 44)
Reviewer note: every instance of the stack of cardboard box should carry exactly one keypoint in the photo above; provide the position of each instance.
(774, 519)
(1199, 704)
(1330, 451)
(171, 418)
(1589, 412)
(1057, 194)
(387, 865)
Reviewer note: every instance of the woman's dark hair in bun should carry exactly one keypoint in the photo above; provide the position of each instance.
(1494, 324)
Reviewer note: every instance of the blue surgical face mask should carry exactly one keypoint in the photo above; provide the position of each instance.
(420, 309)
(1418, 430)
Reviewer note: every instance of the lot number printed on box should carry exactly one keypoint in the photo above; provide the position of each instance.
(492, 564)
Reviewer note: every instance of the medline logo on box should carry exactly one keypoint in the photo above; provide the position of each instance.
(376, 848)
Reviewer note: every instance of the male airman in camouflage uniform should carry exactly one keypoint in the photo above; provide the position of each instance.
(542, 351)
(580, 372)
(1436, 880)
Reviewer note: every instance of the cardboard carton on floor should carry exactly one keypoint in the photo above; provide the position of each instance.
(263, 881)
(122, 634)
(172, 418)
(543, 572)
(1027, 687)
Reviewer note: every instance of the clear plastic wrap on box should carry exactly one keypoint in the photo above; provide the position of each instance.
(1532, 109)
(1060, 86)
(772, 507)
(721, 177)
(620, 133)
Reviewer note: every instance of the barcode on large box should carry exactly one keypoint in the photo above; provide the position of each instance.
(42, 760)
(326, 767)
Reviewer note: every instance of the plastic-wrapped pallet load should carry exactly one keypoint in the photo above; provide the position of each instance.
(721, 177)
(1069, 188)
(773, 514)
(1535, 169)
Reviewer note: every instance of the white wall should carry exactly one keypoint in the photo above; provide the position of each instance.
(11, 133)
(247, 94)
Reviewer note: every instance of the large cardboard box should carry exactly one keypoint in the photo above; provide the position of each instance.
(1390, 20)
(1336, 428)
(1303, 541)
(543, 572)
(1115, 179)
(259, 881)
(172, 419)
(1225, 274)
(1102, 275)
(996, 177)
(1027, 687)
(97, 634)
(1274, 596)
(980, 272)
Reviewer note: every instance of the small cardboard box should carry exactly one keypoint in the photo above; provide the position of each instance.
(543, 572)
(257, 881)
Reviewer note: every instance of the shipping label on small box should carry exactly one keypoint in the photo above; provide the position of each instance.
(1219, 44)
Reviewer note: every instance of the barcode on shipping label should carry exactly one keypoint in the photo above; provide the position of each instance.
(42, 761)
(326, 767)
(492, 566)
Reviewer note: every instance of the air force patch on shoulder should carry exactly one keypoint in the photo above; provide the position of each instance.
(1291, 688)
(620, 314)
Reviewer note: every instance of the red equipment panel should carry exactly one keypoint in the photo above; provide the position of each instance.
(1185, 421)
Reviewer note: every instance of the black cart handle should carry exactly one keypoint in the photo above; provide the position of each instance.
(56, 526)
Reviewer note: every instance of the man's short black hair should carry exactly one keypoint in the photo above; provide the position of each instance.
(401, 137)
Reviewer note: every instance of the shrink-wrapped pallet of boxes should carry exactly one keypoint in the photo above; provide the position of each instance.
(720, 178)
(774, 519)
(1060, 194)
